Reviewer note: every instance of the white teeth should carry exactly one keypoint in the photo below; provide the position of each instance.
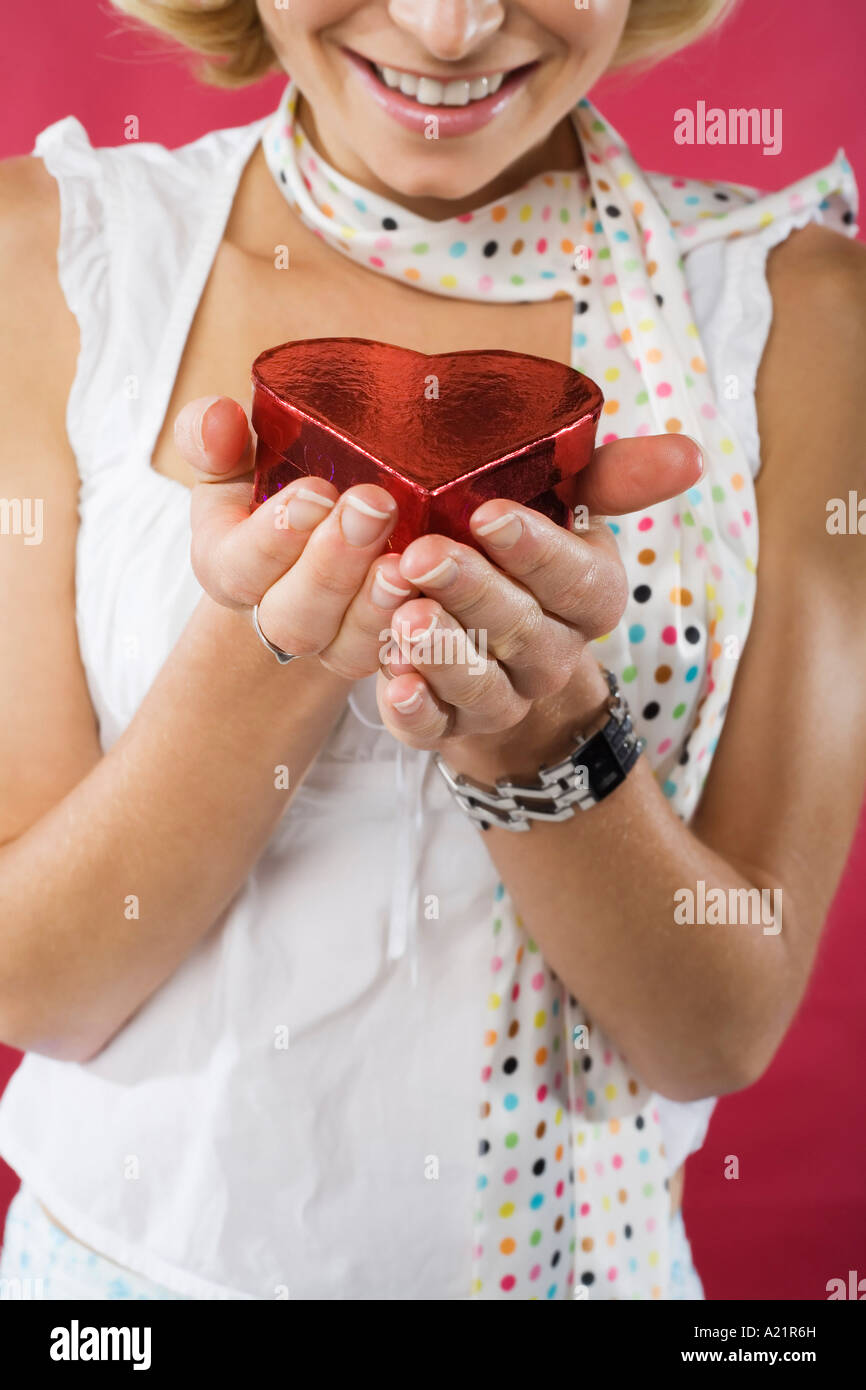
(428, 91)
(457, 94)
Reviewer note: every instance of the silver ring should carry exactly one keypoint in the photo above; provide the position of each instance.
(282, 657)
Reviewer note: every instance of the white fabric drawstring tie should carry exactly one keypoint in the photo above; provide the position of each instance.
(410, 768)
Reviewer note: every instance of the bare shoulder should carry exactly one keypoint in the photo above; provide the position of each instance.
(32, 298)
(26, 185)
(810, 393)
(29, 226)
(820, 275)
(47, 725)
(820, 252)
(38, 333)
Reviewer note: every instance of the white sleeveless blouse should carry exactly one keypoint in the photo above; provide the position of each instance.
(196, 1149)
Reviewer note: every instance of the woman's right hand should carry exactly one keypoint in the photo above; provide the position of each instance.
(309, 557)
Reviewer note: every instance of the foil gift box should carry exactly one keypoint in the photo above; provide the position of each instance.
(441, 433)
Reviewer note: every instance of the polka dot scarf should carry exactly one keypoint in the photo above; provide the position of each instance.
(572, 1190)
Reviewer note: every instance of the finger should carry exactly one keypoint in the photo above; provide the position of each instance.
(213, 436)
(363, 636)
(578, 579)
(237, 555)
(428, 640)
(538, 650)
(302, 612)
(410, 711)
(629, 475)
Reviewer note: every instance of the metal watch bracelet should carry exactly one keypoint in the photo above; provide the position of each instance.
(599, 762)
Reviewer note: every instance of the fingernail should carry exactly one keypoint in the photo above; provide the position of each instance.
(361, 523)
(700, 450)
(305, 509)
(409, 706)
(502, 533)
(412, 644)
(383, 592)
(199, 422)
(423, 632)
(442, 574)
(188, 423)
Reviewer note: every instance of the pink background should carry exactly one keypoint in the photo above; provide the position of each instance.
(797, 1215)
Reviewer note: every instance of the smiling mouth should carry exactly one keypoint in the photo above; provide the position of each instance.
(432, 92)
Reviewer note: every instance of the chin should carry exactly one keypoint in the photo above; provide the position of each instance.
(449, 178)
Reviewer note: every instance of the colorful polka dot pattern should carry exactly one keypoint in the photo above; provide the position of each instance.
(520, 248)
(572, 1178)
(573, 1182)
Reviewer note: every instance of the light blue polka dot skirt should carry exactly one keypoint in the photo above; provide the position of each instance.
(685, 1282)
(38, 1261)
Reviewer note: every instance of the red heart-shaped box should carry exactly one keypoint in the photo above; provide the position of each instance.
(441, 433)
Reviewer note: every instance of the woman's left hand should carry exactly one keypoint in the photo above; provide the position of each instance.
(494, 654)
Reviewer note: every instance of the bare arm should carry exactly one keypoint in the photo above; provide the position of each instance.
(701, 1010)
(191, 783)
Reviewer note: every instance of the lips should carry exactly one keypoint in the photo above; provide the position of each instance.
(441, 433)
(451, 120)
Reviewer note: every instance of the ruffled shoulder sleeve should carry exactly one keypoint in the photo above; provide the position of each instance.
(140, 226)
(725, 233)
(82, 259)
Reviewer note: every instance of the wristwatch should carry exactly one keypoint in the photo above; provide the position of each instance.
(595, 767)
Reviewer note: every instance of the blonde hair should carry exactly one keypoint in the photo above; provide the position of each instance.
(232, 43)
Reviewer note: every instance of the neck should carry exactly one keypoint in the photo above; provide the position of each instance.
(560, 150)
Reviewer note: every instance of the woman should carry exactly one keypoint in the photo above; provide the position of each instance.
(247, 939)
